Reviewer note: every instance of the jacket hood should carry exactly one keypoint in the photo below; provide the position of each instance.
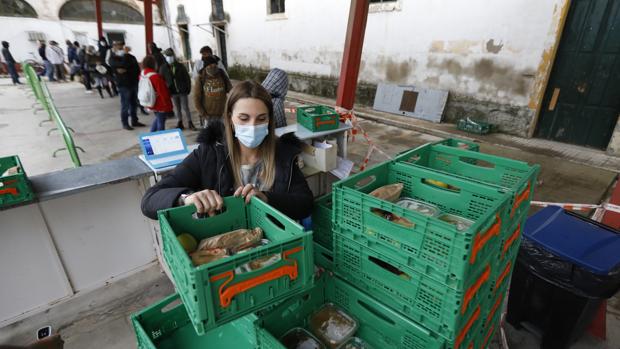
(276, 83)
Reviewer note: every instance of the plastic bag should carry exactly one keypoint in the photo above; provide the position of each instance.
(565, 274)
(233, 241)
(390, 192)
(201, 257)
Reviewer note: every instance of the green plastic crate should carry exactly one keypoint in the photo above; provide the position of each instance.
(322, 221)
(512, 240)
(323, 257)
(459, 143)
(516, 177)
(420, 298)
(432, 247)
(317, 118)
(165, 325)
(14, 189)
(379, 326)
(475, 126)
(212, 293)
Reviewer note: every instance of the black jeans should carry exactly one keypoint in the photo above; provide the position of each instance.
(129, 97)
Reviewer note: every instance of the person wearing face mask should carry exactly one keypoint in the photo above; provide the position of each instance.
(210, 89)
(126, 72)
(242, 157)
(179, 84)
(163, 103)
(206, 52)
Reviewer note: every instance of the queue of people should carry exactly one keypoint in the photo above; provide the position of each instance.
(114, 70)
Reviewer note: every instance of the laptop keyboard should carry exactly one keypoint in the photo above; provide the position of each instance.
(168, 159)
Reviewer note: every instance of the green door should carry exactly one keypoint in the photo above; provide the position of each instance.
(582, 100)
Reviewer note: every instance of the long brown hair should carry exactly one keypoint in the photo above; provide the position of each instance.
(267, 149)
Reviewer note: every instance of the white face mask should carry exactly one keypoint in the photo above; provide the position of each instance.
(120, 53)
(169, 59)
(251, 136)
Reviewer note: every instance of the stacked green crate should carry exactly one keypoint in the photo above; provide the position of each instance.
(427, 269)
(14, 184)
(516, 177)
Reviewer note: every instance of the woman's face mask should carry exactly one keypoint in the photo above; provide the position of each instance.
(251, 135)
(169, 59)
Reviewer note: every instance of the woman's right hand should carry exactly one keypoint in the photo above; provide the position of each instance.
(206, 201)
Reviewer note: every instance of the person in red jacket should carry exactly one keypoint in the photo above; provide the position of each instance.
(163, 102)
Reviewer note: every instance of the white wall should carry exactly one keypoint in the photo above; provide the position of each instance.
(436, 43)
(15, 31)
(200, 34)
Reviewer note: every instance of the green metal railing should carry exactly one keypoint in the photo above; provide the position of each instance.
(43, 96)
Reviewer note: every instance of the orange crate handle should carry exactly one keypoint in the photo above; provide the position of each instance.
(525, 194)
(12, 191)
(486, 338)
(325, 122)
(227, 294)
(471, 292)
(481, 240)
(494, 308)
(466, 329)
(501, 278)
(511, 240)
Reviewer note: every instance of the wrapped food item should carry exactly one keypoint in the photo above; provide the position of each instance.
(419, 206)
(235, 240)
(259, 263)
(390, 192)
(393, 218)
(11, 171)
(201, 257)
(461, 223)
(355, 343)
(332, 325)
(298, 338)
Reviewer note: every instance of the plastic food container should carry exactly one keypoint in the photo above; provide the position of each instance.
(355, 343)
(460, 222)
(299, 338)
(332, 325)
(419, 206)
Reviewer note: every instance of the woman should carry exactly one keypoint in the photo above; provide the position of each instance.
(242, 157)
(163, 103)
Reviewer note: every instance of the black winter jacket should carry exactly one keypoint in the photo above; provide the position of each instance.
(179, 82)
(125, 69)
(208, 167)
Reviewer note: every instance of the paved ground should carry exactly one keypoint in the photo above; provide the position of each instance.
(569, 174)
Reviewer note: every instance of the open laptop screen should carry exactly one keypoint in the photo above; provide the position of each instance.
(162, 143)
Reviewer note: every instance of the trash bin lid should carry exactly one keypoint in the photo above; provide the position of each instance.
(589, 244)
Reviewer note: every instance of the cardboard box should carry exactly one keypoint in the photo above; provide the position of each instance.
(321, 156)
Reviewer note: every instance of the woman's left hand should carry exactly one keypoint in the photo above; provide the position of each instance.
(248, 191)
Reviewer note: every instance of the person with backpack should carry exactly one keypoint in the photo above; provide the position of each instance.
(179, 84)
(153, 93)
(210, 89)
(126, 72)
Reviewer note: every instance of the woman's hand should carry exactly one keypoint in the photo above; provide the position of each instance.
(248, 191)
(206, 201)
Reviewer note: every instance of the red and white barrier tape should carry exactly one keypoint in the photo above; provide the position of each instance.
(578, 207)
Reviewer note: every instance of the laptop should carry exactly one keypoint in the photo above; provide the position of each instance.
(163, 148)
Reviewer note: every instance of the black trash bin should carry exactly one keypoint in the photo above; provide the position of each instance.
(567, 265)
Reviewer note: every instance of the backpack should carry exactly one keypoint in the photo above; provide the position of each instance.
(146, 91)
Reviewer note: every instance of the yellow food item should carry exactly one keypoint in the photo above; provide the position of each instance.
(436, 183)
(390, 192)
(188, 242)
